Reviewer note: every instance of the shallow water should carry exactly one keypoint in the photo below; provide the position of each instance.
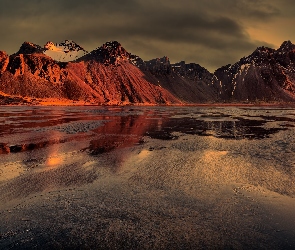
(46, 137)
(30, 128)
(161, 160)
(42, 138)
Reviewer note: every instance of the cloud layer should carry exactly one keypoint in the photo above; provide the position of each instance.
(211, 33)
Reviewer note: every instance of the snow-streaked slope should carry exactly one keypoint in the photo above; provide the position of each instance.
(65, 51)
(265, 75)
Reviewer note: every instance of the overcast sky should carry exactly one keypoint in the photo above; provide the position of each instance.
(209, 32)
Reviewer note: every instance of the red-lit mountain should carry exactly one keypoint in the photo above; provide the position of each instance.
(110, 75)
(104, 76)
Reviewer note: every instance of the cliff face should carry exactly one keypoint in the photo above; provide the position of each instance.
(265, 75)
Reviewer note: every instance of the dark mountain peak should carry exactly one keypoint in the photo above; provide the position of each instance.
(287, 46)
(192, 71)
(113, 49)
(30, 48)
(262, 51)
(112, 45)
(285, 55)
(261, 55)
(109, 53)
(70, 45)
(158, 65)
(189, 68)
(158, 61)
(265, 75)
(164, 59)
(162, 67)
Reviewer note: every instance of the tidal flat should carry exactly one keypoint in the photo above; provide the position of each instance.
(147, 177)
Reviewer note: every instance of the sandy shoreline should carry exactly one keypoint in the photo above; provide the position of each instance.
(191, 192)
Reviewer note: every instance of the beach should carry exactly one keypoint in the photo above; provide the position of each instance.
(147, 177)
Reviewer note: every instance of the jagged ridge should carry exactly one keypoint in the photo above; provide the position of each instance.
(111, 75)
(108, 78)
(188, 82)
(109, 53)
(265, 75)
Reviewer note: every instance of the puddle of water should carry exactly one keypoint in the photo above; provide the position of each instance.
(237, 129)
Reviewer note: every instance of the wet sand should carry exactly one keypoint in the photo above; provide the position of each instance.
(147, 178)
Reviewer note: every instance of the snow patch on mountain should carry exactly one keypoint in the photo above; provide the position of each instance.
(65, 51)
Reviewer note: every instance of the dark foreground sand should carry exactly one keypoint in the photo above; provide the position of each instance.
(193, 192)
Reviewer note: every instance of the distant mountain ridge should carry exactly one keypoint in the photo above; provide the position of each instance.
(265, 75)
(113, 76)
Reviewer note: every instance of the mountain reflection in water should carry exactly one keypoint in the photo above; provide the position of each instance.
(106, 128)
(236, 129)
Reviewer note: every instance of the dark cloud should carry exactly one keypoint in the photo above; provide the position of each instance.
(211, 33)
(259, 10)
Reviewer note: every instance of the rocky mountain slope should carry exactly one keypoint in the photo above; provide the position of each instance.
(188, 82)
(265, 75)
(104, 76)
(111, 75)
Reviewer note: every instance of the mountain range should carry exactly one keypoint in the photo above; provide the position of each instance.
(110, 75)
